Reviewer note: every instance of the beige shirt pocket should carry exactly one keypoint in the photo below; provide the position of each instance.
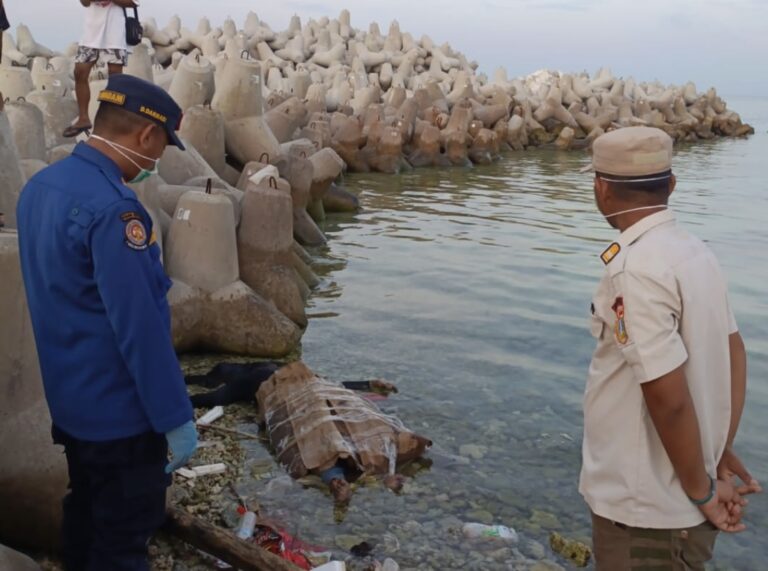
(596, 326)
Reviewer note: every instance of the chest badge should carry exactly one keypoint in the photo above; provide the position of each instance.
(620, 327)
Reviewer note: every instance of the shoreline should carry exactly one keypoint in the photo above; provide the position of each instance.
(441, 114)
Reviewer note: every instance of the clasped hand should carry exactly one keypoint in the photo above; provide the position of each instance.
(726, 508)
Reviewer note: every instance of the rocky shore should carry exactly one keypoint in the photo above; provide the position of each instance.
(272, 121)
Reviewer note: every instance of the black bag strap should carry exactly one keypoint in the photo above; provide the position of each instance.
(135, 12)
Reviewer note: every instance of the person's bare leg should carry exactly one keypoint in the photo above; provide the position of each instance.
(341, 490)
(394, 482)
(114, 68)
(83, 93)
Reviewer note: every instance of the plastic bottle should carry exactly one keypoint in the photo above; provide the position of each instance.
(479, 530)
(247, 525)
(332, 566)
(244, 531)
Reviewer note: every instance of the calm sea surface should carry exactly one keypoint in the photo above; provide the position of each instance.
(470, 289)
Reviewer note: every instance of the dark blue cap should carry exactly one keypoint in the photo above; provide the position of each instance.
(146, 100)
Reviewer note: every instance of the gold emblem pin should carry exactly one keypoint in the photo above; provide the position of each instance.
(610, 253)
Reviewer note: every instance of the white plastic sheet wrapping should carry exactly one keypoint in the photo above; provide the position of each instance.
(313, 423)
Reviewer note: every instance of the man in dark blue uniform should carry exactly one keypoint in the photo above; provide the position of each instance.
(97, 297)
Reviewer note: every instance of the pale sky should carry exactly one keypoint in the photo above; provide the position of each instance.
(721, 43)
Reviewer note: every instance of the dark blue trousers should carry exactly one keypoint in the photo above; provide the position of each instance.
(116, 501)
(4, 24)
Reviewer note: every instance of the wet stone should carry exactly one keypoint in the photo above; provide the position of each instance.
(535, 549)
(481, 516)
(347, 542)
(474, 451)
(261, 467)
(544, 520)
(547, 566)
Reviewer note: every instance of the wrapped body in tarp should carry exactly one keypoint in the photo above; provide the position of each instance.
(315, 424)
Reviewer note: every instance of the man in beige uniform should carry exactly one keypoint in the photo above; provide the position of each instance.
(667, 380)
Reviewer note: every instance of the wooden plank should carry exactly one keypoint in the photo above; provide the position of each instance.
(242, 555)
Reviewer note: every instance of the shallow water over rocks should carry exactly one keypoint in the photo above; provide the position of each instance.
(470, 289)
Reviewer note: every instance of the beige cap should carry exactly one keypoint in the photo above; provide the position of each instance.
(632, 151)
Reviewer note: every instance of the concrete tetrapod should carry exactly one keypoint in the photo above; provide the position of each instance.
(140, 63)
(327, 165)
(11, 54)
(33, 475)
(193, 82)
(484, 147)
(11, 177)
(30, 167)
(299, 172)
(265, 249)
(337, 199)
(425, 148)
(46, 77)
(27, 44)
(250, 138)
(203, 128)
(150, 197)
(28, 128)
(219, 187)
(211, 307)
(454, 136)
(60, 152)
(58, 113)
(177, 166)
(286, 118)
(384, 149)
(96, 86)
(347, 139)
(238, 92)
(15, 82)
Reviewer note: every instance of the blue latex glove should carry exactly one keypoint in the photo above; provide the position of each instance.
(182, 442)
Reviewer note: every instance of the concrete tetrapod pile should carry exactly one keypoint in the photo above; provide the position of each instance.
(271, 121)
(387, 101)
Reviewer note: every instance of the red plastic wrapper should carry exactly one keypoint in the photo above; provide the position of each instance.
(283, 545)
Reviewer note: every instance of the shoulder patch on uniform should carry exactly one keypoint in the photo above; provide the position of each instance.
(126, 216)
(620, 326)
(610, 253)
(135, 235)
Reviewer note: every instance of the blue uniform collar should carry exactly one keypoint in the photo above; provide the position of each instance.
(96, 157)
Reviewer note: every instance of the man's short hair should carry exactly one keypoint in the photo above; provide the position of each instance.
(117, 121)
(652, 184)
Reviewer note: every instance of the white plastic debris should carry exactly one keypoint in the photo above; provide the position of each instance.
(187, 473)
(333, 566)
(211, 416)
(390, 565)
(209, 469)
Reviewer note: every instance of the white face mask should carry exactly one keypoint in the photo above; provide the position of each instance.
(658, 206)
(144, 174)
